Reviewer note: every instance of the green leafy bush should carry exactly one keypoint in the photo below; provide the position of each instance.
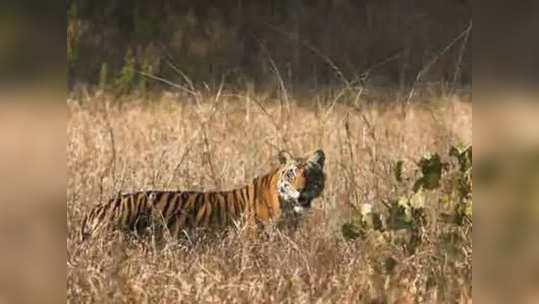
(124, 82)
(451, 181)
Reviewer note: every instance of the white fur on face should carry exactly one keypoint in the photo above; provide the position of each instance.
(299, 209)
(285, 188)
(287, 191)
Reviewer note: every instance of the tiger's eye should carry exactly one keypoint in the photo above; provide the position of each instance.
(290, 174)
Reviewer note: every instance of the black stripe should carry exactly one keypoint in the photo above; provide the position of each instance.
(244, 195)
(176, 198)
(92, 213)
(267, 180)
(183, 200)
(224, 213)
(109, 206)
(83, 231)
(101, 214)
(228, 204)
(185, 196)
(184, 205)
(165, 210)
(128, 200)
(139, 202)
(139, 208)
(148, 195)
(135, 215)
(131, 203)
(255, 189)
(242, 204)
(121, 211)
(207, 209)
(247, 194)
(171, 221)
(216, 209)
(158, 196)
(117, 203)
(238, 201)
(197, 204)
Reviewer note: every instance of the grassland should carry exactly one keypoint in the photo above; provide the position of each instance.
(221, 141)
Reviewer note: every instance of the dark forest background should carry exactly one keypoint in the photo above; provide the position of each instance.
(310, 44)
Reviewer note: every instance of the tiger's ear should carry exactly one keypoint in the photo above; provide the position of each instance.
(318, 158)
(285, 157)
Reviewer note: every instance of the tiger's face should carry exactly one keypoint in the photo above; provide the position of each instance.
(301, 180)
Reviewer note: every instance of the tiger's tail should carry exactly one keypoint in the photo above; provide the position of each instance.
(92, 222)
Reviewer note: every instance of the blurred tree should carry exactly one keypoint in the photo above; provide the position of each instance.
(312, 43)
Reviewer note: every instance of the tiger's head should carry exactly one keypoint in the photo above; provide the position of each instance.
(300, 179)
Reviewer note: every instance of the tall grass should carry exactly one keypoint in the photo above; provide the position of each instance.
(223, 140)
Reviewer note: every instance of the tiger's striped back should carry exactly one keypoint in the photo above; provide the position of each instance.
(262, 200)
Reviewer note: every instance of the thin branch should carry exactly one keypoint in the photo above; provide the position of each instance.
(170, 83)
(171, 62)
(189, 144)
(366, 73)
(427, 67)
(275, 71)
(316, 51)
(208, 155)
(181, 73)
(112, 165)
(461, 54)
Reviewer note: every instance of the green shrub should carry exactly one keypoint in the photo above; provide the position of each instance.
(407, 213)
(124, 82)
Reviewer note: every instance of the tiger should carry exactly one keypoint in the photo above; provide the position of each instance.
(287, 189)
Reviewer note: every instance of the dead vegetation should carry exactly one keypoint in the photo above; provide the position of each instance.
(222, 140)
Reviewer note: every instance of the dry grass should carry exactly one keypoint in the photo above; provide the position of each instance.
(222, 141)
